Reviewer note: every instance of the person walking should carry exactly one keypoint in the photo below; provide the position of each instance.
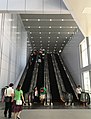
(18, 98)
(8, 95)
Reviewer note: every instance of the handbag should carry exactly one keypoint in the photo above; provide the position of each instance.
(18, 102)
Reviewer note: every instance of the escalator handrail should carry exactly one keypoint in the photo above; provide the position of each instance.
(72, 82)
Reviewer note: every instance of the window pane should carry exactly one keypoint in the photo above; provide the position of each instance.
(84, 58)
(86, 81)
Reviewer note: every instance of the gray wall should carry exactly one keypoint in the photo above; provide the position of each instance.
(71, 56)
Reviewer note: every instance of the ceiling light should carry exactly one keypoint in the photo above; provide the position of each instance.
(26, 19)
(14, 27)
(68, 32)
(29, 27)
(62, 19)
(33, 44)
(61, 47)
(30, 32)
(58, 32)
(39, 26)
(48, 47)
(40, 41)
(56, 41)
(28, 41)
(32, 37)
(49, 37)
(55, 44)
(59, 50)
(40, 37)
(57, 37)
(33, 41)
(38, 19)
(48, 41)
(66, 37)
(60, 26)
(39, 32)
(48, 44)
(49, 26)
(71, 27)
(54, 47)
(17, 32)
(62, 44)
(41, 44)
(10, 19)
(50, 19)
(49, 32)
(64, 41)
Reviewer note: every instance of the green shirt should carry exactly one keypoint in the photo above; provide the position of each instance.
(18, 94)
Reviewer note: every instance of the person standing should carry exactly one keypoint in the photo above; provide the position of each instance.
(8, 94)
(36, 95)
(78, 91)
(18, 98)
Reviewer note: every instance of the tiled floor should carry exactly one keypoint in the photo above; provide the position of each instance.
(52, 112)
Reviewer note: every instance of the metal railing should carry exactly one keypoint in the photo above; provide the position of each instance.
(72, 82)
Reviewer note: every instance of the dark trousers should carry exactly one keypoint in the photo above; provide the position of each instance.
(8, 107)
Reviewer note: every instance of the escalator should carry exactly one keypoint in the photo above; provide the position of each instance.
(53, 82)
(40, 76)
(27, 81)
(65, 79)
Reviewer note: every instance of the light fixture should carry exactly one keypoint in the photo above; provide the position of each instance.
(62, 19)
(11, 19)
(60, 26)
(66, 37)
(57, 37)
(41, 44)
(33, 41)
(50, 19)
(28, 27)
(39, 32)
(64, 41)
(49, 37)
(56, 41)
(49, 26)
(59, 50)
(27, 19)
(58, 32)
(32, 37)
(48, 44)
(39, 26)
(49, 32)
(30, 32)
(40, 37)
(38, 19)
(14, 27)
(40, 41)
(48, 41)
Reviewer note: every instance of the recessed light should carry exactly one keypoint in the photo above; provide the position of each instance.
(56, 41)
(71, 27)
(49, 26)
(31, 37)
(57, 37)
(27, 19)
(41, 44)
(54, 47)
(60, 26)
(39, 32)
(68, 32)
(55, 44)
(38, 19)
(29, 27)
(49, 37)
(48, 47)
(40, 41)
(14, 27)
(64, 41)
(59, 50)
(62, 19)
(48, 41)
(30, 32)
(10, 19)
(58, 32)
(33, 44)
(40, 37)
(66, 37)
(49, 32)
(48, 44)
(39, 26)
(50, 19)
(62, 44)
